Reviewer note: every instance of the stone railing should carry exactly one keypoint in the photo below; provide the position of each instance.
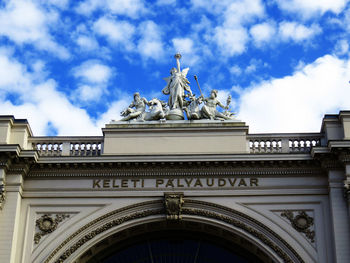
(284, 142)
(67, 146)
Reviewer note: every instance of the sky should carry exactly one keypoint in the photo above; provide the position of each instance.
(70, 67)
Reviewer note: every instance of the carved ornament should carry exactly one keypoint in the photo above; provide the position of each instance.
(173, 205)
(301, 222)
(47, 224)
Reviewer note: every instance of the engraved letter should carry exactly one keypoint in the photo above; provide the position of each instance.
(211, 183)
(254, 181)
(96, 183)
(135, 181)
(178, 183)
(106, 183)
(198, 182)
(222, 182)
(169, 183)
(232, 182)
(242, 182)
(188, 182)
(159, 181)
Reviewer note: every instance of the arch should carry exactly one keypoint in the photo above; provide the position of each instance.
(193, 210)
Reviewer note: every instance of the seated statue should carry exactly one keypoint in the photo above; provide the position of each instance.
(209, 110)
(156, 111)
(140, 106)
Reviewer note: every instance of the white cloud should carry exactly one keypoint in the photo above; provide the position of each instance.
(93, 72)
(24, 22)
(231, 35)
(231, 41)
(262, 33)
(116, 32)
(341, 47)
(130, 8)
(297, 103)
(87, 43)
(308, 8)
(40, 101)
(235, 70)
(88, 93)
(239, 12)
(93, 79)
(185, 46)
(150, 44)
(46, 108)
(13, 76)
(297, 32)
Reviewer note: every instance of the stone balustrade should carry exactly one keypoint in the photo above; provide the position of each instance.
(284, 142)
(258, 143)
(67, 146)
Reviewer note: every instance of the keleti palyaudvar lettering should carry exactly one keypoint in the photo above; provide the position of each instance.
(175, 183)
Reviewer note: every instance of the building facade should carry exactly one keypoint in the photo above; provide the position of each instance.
(157, 190)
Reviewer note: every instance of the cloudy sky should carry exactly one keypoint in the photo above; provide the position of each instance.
(70, 67)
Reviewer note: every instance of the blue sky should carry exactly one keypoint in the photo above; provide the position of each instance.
(70, 67)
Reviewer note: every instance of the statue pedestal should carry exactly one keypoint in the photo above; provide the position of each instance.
(175, 137)
(175, 114)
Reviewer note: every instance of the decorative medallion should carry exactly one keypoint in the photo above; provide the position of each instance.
(2, 195)
(173, 205)
(47, 224)
(301, 222)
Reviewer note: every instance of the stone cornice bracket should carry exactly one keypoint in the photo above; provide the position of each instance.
(331, 162)
(47, 224)
(301, 222)
(173, 205)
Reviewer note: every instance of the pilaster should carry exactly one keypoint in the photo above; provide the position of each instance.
(339, 215)
(9, 217)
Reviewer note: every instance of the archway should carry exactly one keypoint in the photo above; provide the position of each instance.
(182, 241)
(236, 228)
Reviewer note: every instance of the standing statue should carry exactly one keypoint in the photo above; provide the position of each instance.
(209, 110)
(140, 106)
(177, 83)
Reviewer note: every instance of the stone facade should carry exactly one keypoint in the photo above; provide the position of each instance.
(283, 197)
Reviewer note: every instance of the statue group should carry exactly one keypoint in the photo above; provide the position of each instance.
(181, 100)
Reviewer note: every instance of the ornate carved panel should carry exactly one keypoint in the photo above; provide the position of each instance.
(48, 223)
(301, 222)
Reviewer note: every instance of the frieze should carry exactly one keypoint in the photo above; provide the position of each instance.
(178, 170)
(48, 223)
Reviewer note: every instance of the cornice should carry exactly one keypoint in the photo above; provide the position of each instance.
(176, 158)
(177, 169)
